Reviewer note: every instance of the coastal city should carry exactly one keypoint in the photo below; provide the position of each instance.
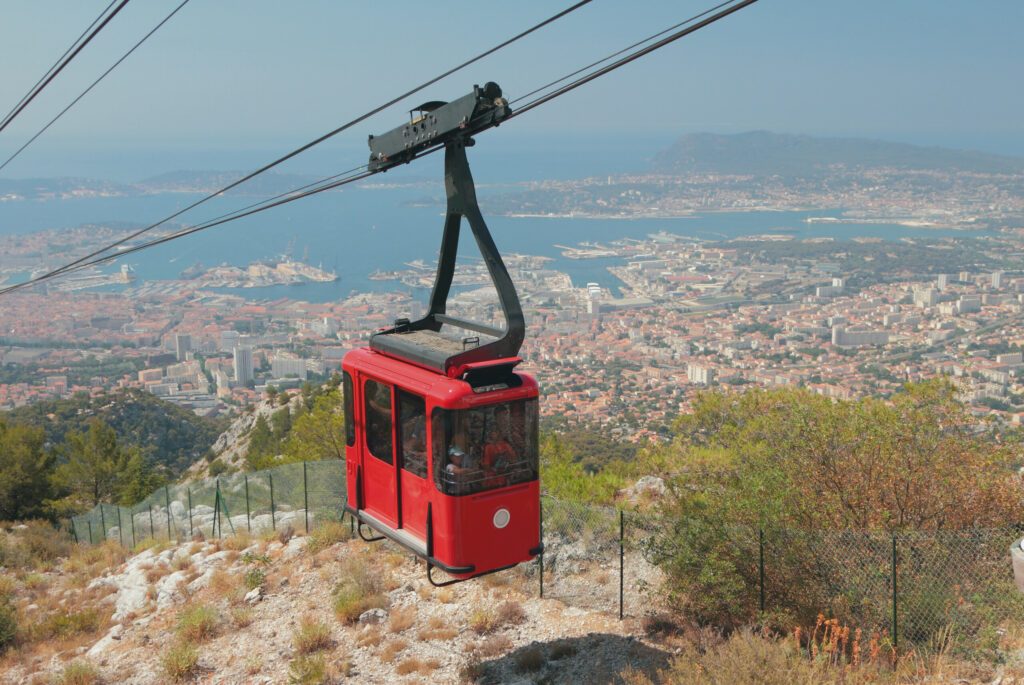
(674, 316)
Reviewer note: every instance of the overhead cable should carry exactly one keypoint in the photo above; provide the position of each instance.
(328, 184)
(93, 84)
(63, 62)
(317, 141)
(55, 64)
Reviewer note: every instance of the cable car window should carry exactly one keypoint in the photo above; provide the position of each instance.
(485, 448)
(378, 420)
(412, 418)
(348, 401)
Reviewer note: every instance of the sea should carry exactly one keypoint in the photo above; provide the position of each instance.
(384, 223)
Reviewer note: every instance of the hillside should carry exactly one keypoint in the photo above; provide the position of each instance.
(762, 153)
(169, 435)
(132, 614)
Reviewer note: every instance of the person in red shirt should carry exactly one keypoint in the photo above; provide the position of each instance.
(498, 457)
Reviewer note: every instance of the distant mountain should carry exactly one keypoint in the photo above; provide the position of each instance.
(50, 188)
(762, 153)
(208, 181)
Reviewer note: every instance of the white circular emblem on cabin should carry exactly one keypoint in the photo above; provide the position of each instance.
(501, 518)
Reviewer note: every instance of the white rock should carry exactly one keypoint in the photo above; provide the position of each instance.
(294, 548)
(106, 641)
(254, 595)
(373, 616)
(167, 592)
(178, 510)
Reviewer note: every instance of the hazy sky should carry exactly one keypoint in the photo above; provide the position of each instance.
(257, 77)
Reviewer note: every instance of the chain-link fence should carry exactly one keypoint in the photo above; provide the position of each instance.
(299, 495)
(912, 587)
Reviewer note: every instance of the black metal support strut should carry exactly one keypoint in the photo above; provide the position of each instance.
(420, 341)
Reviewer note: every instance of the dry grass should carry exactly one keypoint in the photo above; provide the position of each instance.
(437, 629)
(391, 649)
(241, 617)
(239, 541)
(326, 535)
(510, 613)
(308, 669)
(370, 637)
(197, 623)
(484, 619)
(402, 619)
(830, 654)
(407, 666)
(223, 582)
(361, 587)
(79, 673)
(90, 561)
(180, 660)
(311, 636)
(492, 646)
(253, 665)
(532, 659)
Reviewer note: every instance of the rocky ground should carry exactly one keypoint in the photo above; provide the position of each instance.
(491, 630)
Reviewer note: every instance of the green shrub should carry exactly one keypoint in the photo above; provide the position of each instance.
(311, 636)
(254, 578)
(63, 626)
(79, 673)
(8, 625)
(180, 660)
(327, 534)
(198, 622)
(308, 669)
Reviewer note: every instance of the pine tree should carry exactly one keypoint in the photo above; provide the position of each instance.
(25, 470)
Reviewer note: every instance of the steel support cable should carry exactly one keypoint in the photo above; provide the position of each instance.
(313, 188)
(201, 227)
(54, 65)
(631, 57)
(637, 44)
(93, 84)
(326, 136)
(292, 196)
(66, 61)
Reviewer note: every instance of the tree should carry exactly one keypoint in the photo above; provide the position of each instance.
(319, 432)
(138, 479)
(25, 470)
(798, 465)
(95, 464)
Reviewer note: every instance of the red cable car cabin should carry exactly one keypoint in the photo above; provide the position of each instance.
(445, 470)
(441, 430)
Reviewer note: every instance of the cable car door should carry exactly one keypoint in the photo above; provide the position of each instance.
(380, 474)
(414, 487)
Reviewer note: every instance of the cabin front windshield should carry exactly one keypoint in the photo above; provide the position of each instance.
(485, 448)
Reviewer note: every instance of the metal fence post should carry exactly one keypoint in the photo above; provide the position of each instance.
(273, 510)
(167, 502)
(760, 566)
(622, 563)
(191, 531)
(89, 521)
(540, 557)
(152, 533)
(120, 527)
(248, 518)
(305, 496)
(217, 520)
(134, 541)
(103, 524)
(895, 630)
(74, 530)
